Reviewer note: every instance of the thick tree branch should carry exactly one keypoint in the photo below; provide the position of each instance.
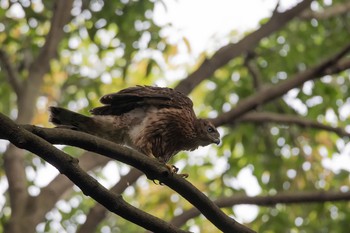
(16, 178)
(329, 12)
(230, 51)
(98, 212)
(263, 117)
(68, 166)
(267, 94)
(152, 168)
(50, 194)
(12, 73)
(41, 64)
(26, 98)
(282, 198)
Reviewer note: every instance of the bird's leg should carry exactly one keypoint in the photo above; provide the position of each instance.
(151, 155)
(172, 168)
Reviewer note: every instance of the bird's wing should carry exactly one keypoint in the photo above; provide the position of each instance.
(142, 97)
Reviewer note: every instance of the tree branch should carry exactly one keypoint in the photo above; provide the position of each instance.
(50, 194)
(41, 65)
(230, 51)
(329, 12)
(282, 198)
(267, 94)
(12, 73)
(262, 117)
(68, 166)
(61, 16)
(26, 98)
(151, 167)
(253, 70)
(16, 178)
(341, 65)
(98, 212)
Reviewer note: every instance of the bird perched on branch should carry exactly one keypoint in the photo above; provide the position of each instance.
(156, 121)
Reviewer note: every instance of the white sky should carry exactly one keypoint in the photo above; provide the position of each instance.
(207, 25)
(200, 21)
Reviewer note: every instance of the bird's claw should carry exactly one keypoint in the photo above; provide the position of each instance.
(184, 175)
(173, 170)
(160, 183)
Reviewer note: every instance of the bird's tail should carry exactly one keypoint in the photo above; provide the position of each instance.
(64, 118)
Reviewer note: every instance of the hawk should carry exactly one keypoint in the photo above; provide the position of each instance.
(156, 121)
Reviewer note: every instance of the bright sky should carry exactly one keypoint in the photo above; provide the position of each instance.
(207, 25)
(203, 21)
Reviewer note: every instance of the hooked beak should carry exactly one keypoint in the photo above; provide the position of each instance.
(217, 141)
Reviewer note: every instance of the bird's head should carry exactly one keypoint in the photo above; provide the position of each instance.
(207, 133)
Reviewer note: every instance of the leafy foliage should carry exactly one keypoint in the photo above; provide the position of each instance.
(109, 45)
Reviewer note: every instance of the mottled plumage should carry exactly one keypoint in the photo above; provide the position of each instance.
(156, 121)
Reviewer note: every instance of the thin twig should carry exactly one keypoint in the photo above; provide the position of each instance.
(253, 70)
(263, 117)
(281, 198)
(275, 10)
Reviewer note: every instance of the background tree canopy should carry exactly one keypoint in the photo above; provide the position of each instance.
(279, 95)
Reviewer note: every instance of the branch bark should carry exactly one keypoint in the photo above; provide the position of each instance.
(16, 178)
(98, 212)
(230, 51)
(262, 117)
(266, 94)
(152, 168)
(341, 65)
(68, 166)
(282, 198)
(50, 194)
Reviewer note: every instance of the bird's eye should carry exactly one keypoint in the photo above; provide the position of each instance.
(210, 129)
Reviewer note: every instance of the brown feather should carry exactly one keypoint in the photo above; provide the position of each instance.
(141, 96)
(156, 121)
